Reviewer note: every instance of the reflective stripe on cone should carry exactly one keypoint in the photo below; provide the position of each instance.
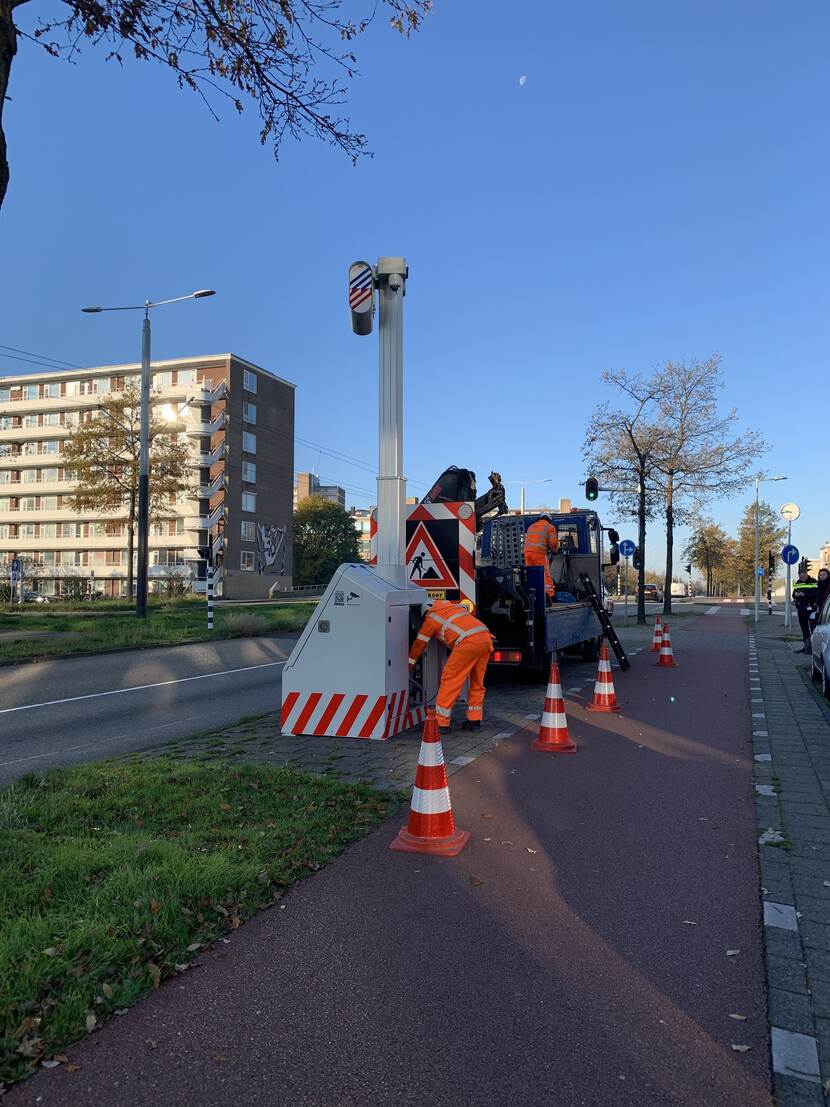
(657, 637)
(431, 828)
(605, 697)
(553, 734)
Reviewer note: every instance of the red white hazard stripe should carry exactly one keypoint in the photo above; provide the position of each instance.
(341, 715)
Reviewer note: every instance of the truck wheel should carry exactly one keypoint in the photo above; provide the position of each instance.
(590, 649)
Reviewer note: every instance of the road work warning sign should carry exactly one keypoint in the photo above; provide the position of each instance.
(424, 562)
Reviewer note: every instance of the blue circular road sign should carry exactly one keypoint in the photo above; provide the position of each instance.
(790, 554)
(627, 547)
(15, 565)
(759, 572)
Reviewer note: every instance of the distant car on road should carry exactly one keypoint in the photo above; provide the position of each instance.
(679, 590)
(34, 597)
(652, 593)
(820, 649)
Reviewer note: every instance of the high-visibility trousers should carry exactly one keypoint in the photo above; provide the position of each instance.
(469, 658)
(534, 558)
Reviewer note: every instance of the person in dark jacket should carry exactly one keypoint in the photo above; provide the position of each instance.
(823, 586)
(805, 598)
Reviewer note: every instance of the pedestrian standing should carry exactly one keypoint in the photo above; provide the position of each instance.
(823, 586)
(805, 598)
(470, 645)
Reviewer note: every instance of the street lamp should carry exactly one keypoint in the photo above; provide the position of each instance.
(144, 442)
(542, 480)
(759, 479)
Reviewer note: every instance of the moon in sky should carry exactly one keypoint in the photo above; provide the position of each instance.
(522, 81)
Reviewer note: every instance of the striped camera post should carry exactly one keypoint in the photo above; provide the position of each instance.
(210, 597)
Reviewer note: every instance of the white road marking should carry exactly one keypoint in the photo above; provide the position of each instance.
(462, 761)
(713, 611)
(762, 757)
(760, 734)
(139, 687)
(765, 789)
(795, 1055)
(745, 611)
(781, 915)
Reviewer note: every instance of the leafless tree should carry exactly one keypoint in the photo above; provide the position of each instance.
(291, 58)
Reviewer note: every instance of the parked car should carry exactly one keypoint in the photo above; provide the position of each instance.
(34, 597)
(652, 593)
(820, 649)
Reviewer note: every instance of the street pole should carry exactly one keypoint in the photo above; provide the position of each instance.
(391, 277)
(144, 472)
(522, 500)
(788, 601)
(757, 554)
(626, 591)
(209, 596)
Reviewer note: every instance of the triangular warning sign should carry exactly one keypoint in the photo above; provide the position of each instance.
(424, 562)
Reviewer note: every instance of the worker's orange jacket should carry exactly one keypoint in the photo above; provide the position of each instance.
(542, 538)
(450, 623)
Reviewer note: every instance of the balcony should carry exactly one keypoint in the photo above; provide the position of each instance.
(208, 491)
(218, 423)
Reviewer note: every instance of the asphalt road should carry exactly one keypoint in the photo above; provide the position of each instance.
(55, 713)
(592, 945)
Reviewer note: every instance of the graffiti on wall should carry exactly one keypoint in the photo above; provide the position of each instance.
(270, 548)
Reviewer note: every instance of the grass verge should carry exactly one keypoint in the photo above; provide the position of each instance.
(168, 623)
(114, 875)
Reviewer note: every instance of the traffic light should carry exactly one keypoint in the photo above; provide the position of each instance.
(689, 568)
(204, 553)
(771, 557)
(614, 553)
(636, 560)
(591, 489)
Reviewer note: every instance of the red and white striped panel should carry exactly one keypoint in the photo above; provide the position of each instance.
(337, 715)
(373, 537)
(466, 516)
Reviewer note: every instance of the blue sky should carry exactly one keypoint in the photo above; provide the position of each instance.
(656, 189)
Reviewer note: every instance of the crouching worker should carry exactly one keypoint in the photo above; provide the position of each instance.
(470, 646)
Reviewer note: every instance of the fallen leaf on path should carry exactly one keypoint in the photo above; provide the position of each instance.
(152, 1043)
(194, 946)
(741, 1048)
(476, 883)
(107, 990)
(181, 968)
(91, 1023)
(154, 906)
(826, 883)
(53, 1064)
(488, 816)
(529, 850)
(689, 922)
(732, 952)
(72, 1067)
(742, 1018)
(507, 843)
(51, 951)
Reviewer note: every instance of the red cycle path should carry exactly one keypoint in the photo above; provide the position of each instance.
(574, 953)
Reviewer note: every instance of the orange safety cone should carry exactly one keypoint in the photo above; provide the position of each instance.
(431, 828)
(553, 734)
(666, 658)
(605, 698)
(657, 637)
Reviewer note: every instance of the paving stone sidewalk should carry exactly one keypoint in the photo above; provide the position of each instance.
(791, 747)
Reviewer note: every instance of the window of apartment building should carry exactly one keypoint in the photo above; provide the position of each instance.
(249, 472)
(29, 420)
(48, 503)
(6, 422)
(4, 530)
(50, 446)
(249, 381)
(31, 391)
(5, 395)
(249, 501)
(186, 376)
(249, 442)
(26, 530)
(162, 380)
(248, 532)
(48, 474)
(249, 412)
(5, 476)
(6, 503)
(87, 388)
(51, 391)
(27, 503)
(48, 530)
(71, 388)
(53, 419)
(246, 560)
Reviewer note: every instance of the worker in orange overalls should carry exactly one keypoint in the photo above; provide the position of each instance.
(541, 541)
(470, 646)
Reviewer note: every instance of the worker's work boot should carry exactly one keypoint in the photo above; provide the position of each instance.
(471, 724)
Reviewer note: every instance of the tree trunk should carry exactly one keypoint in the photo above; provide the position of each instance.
(669, 543)
(8, 48)
(131, 542)
(641, 541)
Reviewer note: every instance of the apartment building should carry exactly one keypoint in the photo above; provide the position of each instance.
(239, 422)
(308, 485)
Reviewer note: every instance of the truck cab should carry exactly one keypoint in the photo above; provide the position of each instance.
(511, 595)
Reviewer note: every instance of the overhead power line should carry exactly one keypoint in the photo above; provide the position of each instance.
(38, 359)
